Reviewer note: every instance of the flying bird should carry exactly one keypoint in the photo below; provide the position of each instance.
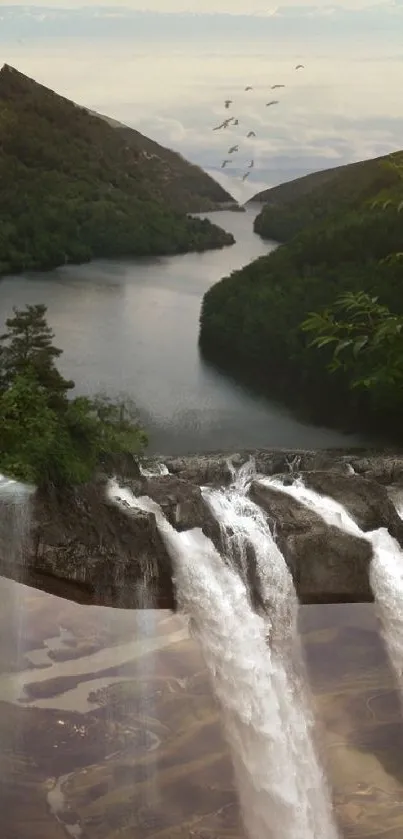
(246, 175)
(224, 163)
(273, 102)
(232, 149)
(224, 124)
(228, 102)
(251, 134)
(275, 86)
(249, 87)
(299, 67)
(251, 164)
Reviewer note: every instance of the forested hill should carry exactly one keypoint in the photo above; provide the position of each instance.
(295, 205)
(74, 188)
(297, 187)
(186, 186)
(344, 236)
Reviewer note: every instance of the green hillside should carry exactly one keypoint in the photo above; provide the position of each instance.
(74, 188)
(294, 206)
(298, 187)
(344, 235)
(185, 186)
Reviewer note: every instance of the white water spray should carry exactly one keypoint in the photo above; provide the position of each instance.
(386, 572)
(14, 526)
(244, 525)
(280, 784)
(155, 470)
(14, 533)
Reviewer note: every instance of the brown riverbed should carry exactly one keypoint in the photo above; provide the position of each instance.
(139, 738)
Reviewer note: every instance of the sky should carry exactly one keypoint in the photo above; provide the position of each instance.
(165, 67)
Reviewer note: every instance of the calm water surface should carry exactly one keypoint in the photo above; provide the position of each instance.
(132, 326)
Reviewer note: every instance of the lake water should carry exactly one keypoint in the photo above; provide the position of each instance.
(132, 327)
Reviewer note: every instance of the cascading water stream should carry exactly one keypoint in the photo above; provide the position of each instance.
(154, 470)
(281, 788)
(244, 525)
(14, 533)
(386, 572)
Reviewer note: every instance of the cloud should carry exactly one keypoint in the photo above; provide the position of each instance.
(168, 76)
(232, 7)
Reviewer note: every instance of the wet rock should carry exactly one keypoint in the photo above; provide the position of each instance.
(203, 469)
(85, 548)
(327, 565)
(81, 538)
(124, 465)
(183, 505)
(213, 468)
(366, 501)
(384, 469)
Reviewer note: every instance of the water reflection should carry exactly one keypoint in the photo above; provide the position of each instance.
(109, 728)
(132, 326)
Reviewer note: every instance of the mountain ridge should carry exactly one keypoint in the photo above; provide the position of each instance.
(209, 194)
(74, 188)
(305, 198)
(343, 236)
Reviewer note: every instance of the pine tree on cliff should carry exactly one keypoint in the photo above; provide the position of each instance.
(28, 345)
(46, 438)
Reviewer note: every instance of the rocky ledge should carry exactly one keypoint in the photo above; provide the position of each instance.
(81, 546)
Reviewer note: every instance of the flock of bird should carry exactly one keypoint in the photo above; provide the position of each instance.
(235, 121)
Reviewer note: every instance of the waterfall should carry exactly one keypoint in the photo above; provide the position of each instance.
(244, 525)
(14, 525)
(281, 788)
(386, 572)
(153, 470)
(14, 534)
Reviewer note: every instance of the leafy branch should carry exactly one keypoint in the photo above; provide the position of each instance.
(365, 337)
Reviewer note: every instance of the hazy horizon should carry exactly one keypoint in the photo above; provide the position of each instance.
(166, 70)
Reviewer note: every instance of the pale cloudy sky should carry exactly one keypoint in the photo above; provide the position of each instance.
(166, 66)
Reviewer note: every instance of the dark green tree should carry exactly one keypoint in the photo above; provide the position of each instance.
(28, 428)
(28, 344)
(44, 436)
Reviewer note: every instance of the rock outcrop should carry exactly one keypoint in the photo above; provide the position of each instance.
(367, 501)
(84, 547)
(327, 564)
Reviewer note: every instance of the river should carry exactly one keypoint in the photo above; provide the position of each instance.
(132, 327)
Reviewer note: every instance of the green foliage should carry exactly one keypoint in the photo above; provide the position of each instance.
(44, 436)
(347, 190)
(27, 344)
(345, 241)
(73, 187)
(366, 341)
(28, 428)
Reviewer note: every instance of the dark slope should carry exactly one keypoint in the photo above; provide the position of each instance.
(297, 186)
(293, 206)
(185, 186)
(72, 188)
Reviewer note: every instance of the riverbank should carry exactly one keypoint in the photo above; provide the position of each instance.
(130, 327)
